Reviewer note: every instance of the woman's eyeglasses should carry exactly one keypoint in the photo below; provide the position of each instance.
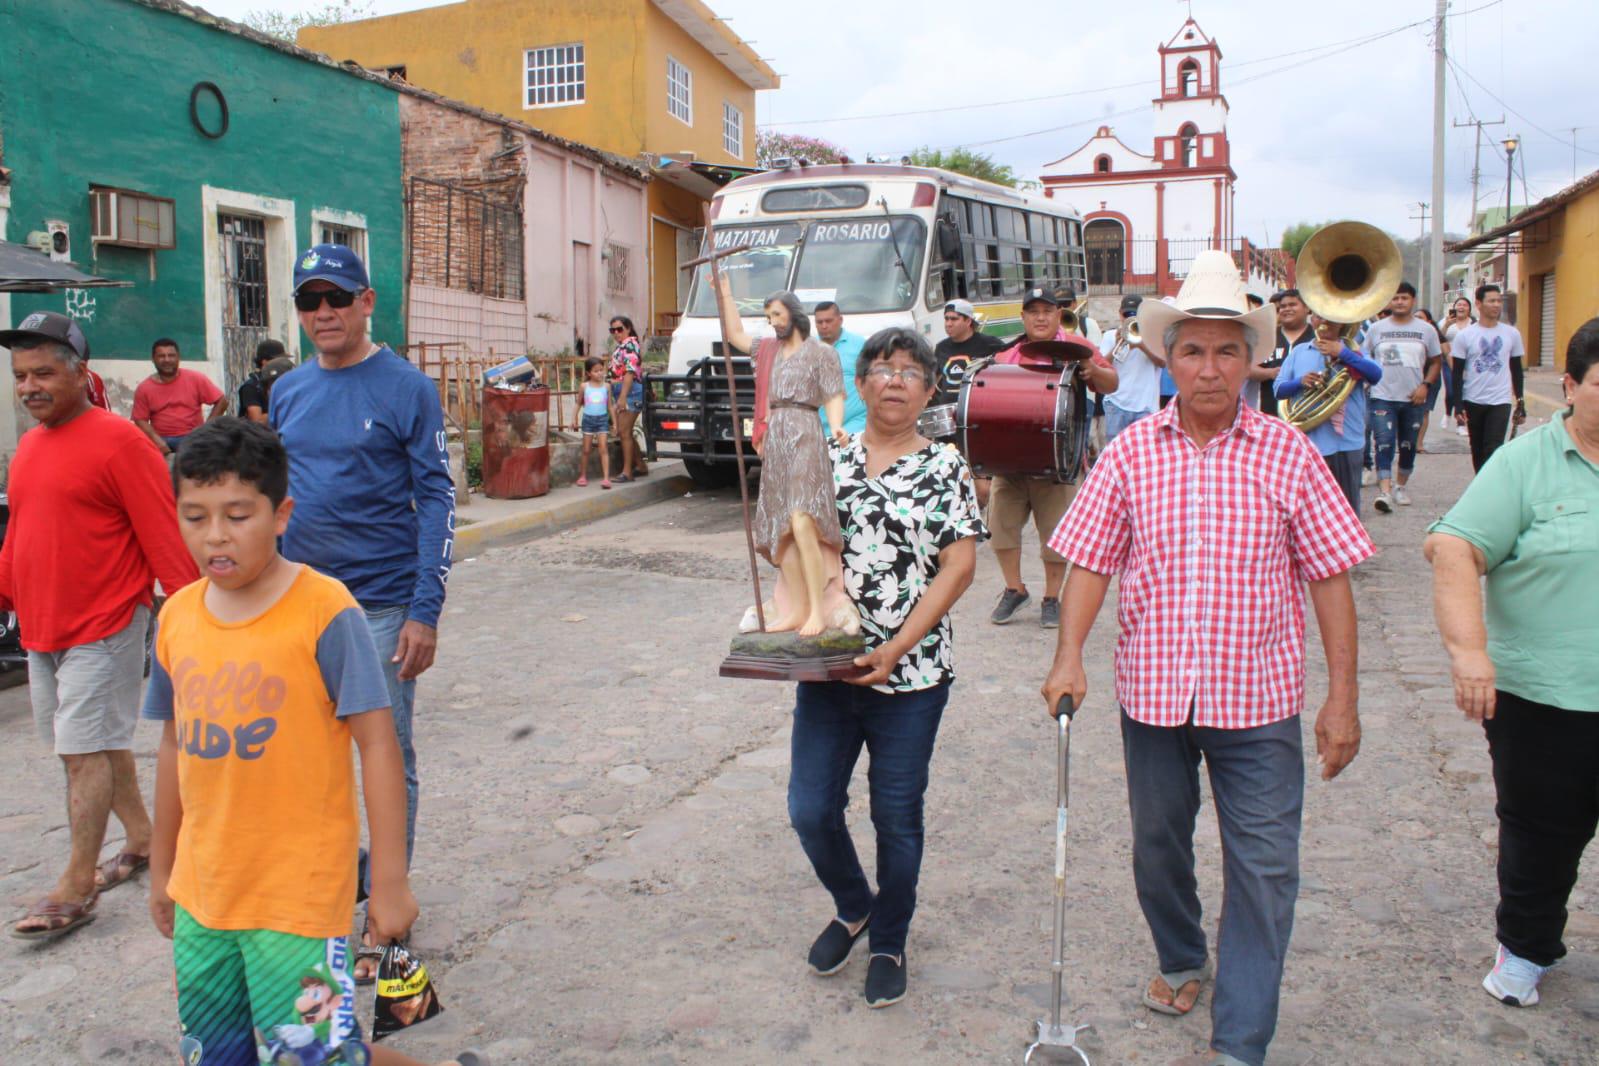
(618, 329)
(338, 299)
(910, 375)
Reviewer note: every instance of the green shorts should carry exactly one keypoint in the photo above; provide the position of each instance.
(257, 996)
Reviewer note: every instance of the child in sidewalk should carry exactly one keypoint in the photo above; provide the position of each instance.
(596, 420)
(263, 672)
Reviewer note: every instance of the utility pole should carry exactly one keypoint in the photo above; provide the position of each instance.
(1421, 283)
(1476, 180)
(1435, 250)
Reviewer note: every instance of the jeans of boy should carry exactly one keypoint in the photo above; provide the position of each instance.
(832, 721)
(1257, 777)
(385, 623)
(1117, 420)
(1395, 425)
(1548, 808)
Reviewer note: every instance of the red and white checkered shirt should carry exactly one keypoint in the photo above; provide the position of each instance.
(1213, 546)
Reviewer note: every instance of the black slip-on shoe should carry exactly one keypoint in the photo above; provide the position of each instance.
(885, 981)
(831, 950)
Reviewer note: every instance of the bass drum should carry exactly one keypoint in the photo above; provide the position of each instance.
(1024, 421)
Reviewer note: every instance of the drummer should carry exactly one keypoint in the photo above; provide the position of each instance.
(1012, 499)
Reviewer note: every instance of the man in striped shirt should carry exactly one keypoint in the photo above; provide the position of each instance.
(1216, 517)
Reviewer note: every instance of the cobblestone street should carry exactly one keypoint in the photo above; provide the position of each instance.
(607, 873)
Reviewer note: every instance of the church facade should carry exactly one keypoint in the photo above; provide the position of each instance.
(1146, 215)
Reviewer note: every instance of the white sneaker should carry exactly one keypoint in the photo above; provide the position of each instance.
(1460, 430)
(1384, 503)
(1401, 497)
(1514, 980)
(1368, 477)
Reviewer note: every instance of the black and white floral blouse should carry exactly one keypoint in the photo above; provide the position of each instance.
(894, 526)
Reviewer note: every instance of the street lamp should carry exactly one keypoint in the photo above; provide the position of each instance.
(1511, 144)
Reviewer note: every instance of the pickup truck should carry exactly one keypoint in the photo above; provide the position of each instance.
(689, 416)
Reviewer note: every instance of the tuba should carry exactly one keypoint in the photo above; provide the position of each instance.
(1347, 272)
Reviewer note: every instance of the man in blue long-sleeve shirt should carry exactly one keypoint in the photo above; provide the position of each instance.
(374, 504)
(1342, 438)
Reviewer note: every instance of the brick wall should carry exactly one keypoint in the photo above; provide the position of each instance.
(443, 144)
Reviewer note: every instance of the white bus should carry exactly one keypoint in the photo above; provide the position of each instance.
(891, 245)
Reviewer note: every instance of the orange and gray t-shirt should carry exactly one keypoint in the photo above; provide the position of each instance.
(266, 772)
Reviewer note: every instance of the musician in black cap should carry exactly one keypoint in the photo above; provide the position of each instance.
(1012, 499)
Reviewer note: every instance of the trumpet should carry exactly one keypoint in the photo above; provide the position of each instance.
(1347, 272)
(1071, 317)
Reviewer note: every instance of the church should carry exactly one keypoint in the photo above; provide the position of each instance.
(1147, 215)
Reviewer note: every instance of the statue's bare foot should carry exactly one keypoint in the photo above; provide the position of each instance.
(814, 626)
(783, 625)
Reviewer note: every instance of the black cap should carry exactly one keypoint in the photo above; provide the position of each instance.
(1039, 295)
(49, 326)
(1130, 304)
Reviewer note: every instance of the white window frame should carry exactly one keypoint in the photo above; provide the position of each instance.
(679, 91)
(560, 61)
(354, 221)
(280, 250)
(732, 130)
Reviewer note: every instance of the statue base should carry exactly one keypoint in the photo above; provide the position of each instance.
(791, 657)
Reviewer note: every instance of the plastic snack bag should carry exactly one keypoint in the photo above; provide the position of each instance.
(406, 994)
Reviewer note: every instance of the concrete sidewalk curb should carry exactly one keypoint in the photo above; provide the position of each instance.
(540, 521)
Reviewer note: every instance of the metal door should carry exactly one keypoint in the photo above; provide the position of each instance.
(1546, 322)
(244, 295)
(1103, 243)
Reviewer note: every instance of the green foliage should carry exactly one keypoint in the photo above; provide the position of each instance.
(771, 146)
(287, 24)
(1295, 236)
(474, 463)
(965, 161)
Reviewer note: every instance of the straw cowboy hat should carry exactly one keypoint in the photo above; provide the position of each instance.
(1213, 290)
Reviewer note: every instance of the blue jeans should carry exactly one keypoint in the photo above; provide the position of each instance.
(832, 720)
(1257, 777)
(385, 623)
(1394, 421)
(1117, 420)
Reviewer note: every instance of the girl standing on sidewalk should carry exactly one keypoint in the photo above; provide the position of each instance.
(596, 421)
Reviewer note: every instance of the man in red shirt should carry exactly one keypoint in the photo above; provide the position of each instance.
(167, 404)
(93, 524)
(1216, 518)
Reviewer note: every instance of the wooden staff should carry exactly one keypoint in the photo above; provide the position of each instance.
(732, 394)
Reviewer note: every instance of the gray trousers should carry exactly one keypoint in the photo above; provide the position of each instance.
(1257, 777)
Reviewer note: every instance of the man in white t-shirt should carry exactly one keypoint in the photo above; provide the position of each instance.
(1137, 373)
(1486, 358)
(1408, 351)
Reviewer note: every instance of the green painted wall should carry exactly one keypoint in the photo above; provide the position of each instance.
(107, 103)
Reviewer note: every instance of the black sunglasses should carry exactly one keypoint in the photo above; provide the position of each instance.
(338, 299)
(618, 329)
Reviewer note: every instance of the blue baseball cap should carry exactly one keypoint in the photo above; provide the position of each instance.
(333, 263)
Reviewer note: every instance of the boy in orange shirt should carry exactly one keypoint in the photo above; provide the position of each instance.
(263, 673)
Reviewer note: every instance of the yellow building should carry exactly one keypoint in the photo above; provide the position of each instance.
(1556, 244)
(664, 81)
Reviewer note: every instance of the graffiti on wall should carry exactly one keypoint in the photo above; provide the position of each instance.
(80, 304)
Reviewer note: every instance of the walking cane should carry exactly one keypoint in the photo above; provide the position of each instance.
(1052, 1033)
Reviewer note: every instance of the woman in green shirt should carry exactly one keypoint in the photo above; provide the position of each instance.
(1529, 523)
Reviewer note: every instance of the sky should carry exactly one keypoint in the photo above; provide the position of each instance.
(1325, 121)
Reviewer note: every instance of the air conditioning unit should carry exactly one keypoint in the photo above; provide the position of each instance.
(131, 219)
(60, 240)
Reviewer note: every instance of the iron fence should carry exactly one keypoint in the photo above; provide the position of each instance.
(460, 239)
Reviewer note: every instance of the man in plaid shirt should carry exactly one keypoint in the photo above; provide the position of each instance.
(1216, 517)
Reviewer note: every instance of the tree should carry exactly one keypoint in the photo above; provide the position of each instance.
(287, 24)
(964, 161)
(1295, 236)
(770, 146)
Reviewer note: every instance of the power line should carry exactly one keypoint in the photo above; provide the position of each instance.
(1492, 96)
(1344, 45)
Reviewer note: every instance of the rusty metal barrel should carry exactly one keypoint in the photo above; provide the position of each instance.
(516, 443)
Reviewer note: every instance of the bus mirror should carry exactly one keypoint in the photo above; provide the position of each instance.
(949, 241)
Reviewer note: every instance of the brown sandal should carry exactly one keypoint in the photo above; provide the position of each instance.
(123, 867)
(60, 918)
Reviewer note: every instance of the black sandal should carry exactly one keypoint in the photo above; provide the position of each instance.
(363, 950)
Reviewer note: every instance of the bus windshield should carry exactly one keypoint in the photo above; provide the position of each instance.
(854, 262)
(760, 266)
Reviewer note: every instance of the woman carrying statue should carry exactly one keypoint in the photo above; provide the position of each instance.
(796, 518)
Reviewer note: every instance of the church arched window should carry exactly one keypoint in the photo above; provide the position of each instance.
(1188, 144)
(1102, 165)
(1188, 78)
